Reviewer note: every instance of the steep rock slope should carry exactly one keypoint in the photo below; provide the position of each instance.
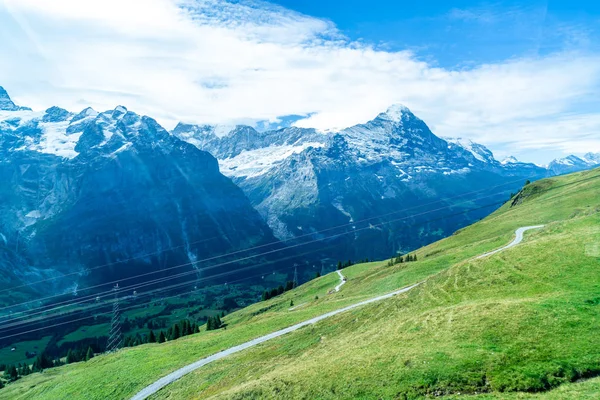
(393, 166)
(112, 188)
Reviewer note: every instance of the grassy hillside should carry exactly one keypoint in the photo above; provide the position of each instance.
(526, 319)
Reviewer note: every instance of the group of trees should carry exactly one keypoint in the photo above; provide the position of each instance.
(214, 323)
(175, 331)
(269, 294)
(399, 259)
(349, 263)
(14, 372)
(44, 361)
(342, 265)
(78, 355)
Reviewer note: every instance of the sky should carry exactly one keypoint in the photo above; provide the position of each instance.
(522, 78)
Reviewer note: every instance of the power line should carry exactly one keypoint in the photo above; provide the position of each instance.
(153, 282)
(121, 310)
(28, 320)
(370, 226)
(464, 211)
(271, 243)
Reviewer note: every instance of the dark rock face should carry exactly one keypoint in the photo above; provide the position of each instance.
(6, 104)
(387, 185)
(114, 189)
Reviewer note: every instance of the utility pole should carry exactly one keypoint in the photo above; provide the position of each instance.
(115, 339)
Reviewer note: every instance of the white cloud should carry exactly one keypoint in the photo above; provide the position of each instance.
(216, 62)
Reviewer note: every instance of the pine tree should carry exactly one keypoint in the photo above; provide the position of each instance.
(339, 266)
(265, 296)
(14, 374)
(317, 275)
(42, 362)
(161, 337)
(151, 337)
(7, 372)
(291, 303)
(209, 324)
(37, 364)
(415, 257)
(11, 373)
(70, 357)
(90, 354)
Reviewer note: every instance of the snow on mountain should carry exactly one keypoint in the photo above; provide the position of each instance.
(92, 188)
(592, 158)
(573, 163)
(253, 163)
(479, 151)
(301, 180)
(394, 113)
(509, 160)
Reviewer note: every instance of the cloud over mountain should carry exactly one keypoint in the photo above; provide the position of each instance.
(243, 62)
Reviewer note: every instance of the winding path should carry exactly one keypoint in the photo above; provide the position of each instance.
(342, 281)
(173, 376)
(518, 239)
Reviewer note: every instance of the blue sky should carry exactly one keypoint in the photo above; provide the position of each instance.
(462, 33)
(521, 78)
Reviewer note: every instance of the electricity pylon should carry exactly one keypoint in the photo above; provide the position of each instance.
(115, 338)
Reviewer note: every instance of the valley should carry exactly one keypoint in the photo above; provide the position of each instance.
(472, 326)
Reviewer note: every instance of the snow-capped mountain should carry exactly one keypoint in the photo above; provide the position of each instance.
(114, 188)
(6, 104)
(573, 163)
(509, 160)
(111, 188)
(304, 181)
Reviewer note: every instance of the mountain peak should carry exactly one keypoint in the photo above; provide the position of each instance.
(6, 104)
(394, 112)
(479, 151)
(509, 160)
(593, 158)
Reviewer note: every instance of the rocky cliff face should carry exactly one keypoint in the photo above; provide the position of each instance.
(115, 189)
(388, 185)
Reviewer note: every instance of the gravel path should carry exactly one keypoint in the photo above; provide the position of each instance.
(519, 232)
(172, 377)
(342, 281)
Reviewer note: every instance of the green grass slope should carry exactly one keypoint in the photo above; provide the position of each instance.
(526, 319)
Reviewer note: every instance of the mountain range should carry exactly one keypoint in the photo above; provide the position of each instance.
(304, 181)
(115, 189)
